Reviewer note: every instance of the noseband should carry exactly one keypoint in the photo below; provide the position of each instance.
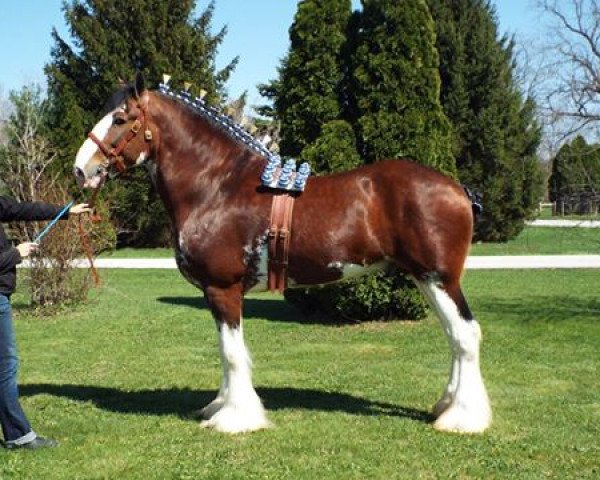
(113, 152)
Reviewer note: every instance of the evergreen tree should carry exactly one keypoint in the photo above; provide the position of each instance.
(495, 132)
(394, 85)
(575, 170)
(307, 94)
(559, 183)
(321, 124)
(392, 91)
(112, 39)
(334, 150)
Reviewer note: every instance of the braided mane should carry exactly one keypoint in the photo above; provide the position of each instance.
(224, 122)
(274, 174)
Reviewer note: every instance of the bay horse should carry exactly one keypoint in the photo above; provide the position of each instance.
(393, 212)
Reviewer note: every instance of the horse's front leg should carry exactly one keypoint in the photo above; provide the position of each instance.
(237, 408)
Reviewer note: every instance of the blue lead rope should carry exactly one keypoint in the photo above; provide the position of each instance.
(45, 231)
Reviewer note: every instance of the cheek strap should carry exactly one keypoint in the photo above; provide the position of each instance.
(113, 153)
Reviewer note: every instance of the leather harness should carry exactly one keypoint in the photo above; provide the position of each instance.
(113, 152)
(280, 231)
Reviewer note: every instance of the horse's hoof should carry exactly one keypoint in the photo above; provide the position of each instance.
(228, 420)
(460, 420)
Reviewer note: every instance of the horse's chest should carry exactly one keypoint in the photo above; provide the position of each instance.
(213, 258)
(187, 262)
(185, 267)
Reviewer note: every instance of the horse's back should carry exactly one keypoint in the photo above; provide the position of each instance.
(404, 172)
(393, 209)
(387, 189)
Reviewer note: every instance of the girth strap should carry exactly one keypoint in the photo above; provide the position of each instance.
(279, 240)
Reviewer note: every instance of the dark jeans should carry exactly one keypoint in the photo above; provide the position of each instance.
(14, 423)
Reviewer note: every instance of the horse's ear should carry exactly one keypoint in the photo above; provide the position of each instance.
(139, 84)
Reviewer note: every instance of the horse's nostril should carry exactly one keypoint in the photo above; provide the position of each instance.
(79, 176)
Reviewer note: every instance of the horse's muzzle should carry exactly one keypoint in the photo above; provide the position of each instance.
(92, 182)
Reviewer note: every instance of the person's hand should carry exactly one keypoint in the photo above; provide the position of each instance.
(79, 209)
(27, 248)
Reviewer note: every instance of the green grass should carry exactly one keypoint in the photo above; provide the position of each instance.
(139, 253)
(532, 241)
(117, 380)
(545, 241)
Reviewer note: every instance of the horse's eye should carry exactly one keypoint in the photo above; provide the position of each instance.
(118, 121)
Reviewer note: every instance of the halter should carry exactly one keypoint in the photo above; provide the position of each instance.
(112, 152)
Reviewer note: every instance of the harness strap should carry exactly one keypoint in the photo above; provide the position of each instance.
(280, 231)
(113, 152)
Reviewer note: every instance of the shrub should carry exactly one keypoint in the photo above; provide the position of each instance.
(376, 296)
(26, 161)
(52, 278)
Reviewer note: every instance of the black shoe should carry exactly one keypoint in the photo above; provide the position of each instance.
(37, 442)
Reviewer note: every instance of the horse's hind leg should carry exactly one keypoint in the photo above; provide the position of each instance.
(464, 405)
(237, 408)
(446, 399)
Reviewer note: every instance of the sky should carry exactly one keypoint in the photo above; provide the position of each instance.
(257, 33)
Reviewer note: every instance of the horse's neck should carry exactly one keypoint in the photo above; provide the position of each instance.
(195, 162)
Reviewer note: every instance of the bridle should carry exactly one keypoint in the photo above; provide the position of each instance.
(113, 157)
(113, 152)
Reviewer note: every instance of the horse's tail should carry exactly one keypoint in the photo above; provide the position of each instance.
(476, 199)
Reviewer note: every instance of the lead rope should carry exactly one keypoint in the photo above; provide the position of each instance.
(85, 241)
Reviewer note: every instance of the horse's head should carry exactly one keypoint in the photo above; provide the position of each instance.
(121, 139)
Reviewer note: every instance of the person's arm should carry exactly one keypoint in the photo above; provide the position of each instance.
(12, 210)
(9, 259)
(12, 257)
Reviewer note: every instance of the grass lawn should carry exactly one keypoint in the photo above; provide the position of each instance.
(545, 241)
(139, 253)
(532, 241)
(117, 381)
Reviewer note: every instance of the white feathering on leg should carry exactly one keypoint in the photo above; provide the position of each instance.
(237, 408)
(464, 406)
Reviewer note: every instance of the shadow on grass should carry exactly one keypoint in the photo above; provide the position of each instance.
(275, 309)
(185, 402)
(539, 308)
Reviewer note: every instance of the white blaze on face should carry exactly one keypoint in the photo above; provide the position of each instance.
(89, 149)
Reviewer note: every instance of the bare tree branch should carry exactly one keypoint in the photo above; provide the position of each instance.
(569, 90)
